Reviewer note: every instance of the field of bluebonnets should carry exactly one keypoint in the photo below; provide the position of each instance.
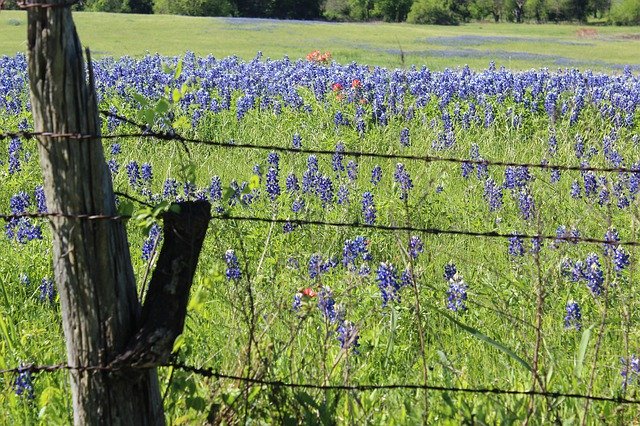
(331, 305)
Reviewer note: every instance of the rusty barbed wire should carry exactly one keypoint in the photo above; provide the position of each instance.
(390, 228)
(173, 136)
(212, 373)
(81, 216)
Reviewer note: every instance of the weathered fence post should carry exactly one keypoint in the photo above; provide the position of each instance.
(91, 257)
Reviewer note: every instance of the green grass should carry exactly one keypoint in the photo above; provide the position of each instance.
(516, 46)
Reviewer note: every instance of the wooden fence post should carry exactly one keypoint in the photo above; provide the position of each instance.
(92, 265)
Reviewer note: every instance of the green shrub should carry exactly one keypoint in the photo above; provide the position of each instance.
(625, 12)
(433, 12)
(194, 7)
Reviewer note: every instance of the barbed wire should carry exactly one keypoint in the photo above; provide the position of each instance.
(390, 228)
(173, 136)
(212, 373)
(430, 230)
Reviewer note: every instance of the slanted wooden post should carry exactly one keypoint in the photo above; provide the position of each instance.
(102, 318)
(91, 260)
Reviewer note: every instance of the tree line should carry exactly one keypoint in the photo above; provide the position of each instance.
(442, 12)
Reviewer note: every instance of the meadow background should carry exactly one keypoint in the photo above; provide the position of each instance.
(358, 305)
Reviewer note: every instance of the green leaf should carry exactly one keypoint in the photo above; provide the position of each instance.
(484, 338)
(582, 350)
(176, 95)
(126, 208)
(166, 69)
(162, 106)
(254, 182)
(178, 72)
(141, 99)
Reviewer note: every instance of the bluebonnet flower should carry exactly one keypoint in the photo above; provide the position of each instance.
(146, 172)
(288, 226)
(114, 166)
(315, 266)
(415, 246)
(343, 195)
(340, 120)
(21, 229)
(449, 271)
(620, 257)
(47, 291)
(353, 249)
(233, 267)
(593, 274)
(404, 137)
(311, 175)
(573, 319)
(467, 169)
(15, 149)
(292, 183)
(403, 179)
(133, 172)
(273, 186)
(492, 194)
(555, 175)
(297, 302)
(576, 190)
(630, 370)
(337, 158)
(347, 335)
(24, 279)
(376, 175)
(516, 247)
(325, 190)
(553, 145)
(388, 283)
(215, 189)
(406, 278)
(23, 384)
(297, 205)
(151, 242)
(457, 294)
(327, 304)
(516, 177)
(590, 183)
(41, 201)
(296, 141)
(274, 160)
(368, 208)
(352, 170)
(188, 189)
(526, 204)
(116, 149)
(292, 263)
(612, 239)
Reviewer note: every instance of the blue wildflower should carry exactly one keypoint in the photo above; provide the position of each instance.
(233, 272)
(573, 319)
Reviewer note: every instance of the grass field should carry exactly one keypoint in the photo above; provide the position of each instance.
(513, 46)
(345, 305)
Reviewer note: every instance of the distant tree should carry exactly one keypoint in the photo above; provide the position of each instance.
(599, 8)
(293, 9)
(393, 10)
(435, 12)
(536, 10)
(361, 9)
(336, 10)
(194, 7)
(107, 6)
(141, 6)
(625, 12)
